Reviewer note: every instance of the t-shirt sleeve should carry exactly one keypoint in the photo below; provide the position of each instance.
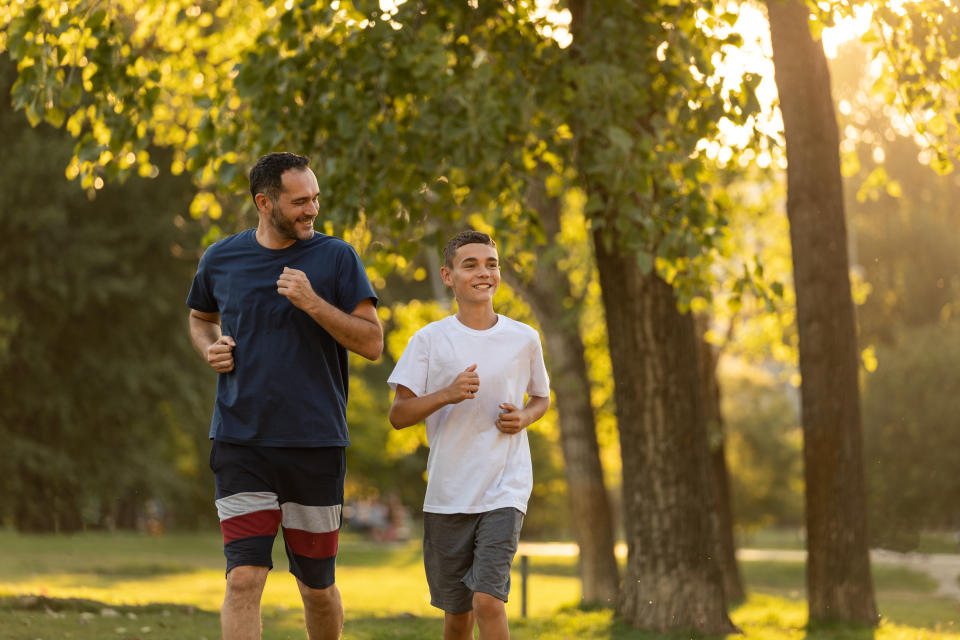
(411, 368)
(353, 286)
(539, 383)
(201, 295)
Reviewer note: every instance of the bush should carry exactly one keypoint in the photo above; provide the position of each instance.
(912, 438)
(764, 450)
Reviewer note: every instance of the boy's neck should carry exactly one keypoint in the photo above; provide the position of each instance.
(478, 318)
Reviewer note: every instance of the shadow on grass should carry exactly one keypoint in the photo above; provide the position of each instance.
(37, 616)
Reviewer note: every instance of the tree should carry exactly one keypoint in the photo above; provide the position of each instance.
(839, 585)
(707, 359)
(902, 218)
(647, 208)
(548, 289)
(94, 344)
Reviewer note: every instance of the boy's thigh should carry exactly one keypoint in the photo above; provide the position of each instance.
(448, 546)
(497, 537)
(464, 553)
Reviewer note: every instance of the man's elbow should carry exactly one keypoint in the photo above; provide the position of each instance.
(374, 350)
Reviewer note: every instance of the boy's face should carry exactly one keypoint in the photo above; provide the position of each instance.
(475, 274)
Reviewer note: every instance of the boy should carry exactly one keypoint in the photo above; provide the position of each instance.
(466, 375)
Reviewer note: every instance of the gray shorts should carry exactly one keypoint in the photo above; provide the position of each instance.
(465, 553)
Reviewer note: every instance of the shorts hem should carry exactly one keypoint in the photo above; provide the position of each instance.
(454, 611)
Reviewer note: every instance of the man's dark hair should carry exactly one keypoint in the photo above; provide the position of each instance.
(465, 237)
(266, 175)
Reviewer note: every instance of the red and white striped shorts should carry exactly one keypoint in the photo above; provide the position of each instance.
(260, 489)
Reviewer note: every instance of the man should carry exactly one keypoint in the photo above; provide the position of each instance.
(274, 310)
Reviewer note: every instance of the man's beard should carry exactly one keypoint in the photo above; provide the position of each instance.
(286, 227)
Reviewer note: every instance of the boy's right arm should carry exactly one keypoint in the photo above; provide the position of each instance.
(409, 409)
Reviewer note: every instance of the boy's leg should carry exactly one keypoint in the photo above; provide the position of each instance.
(491, 615)
(448, 541)
(240, 614)
(458, 626)
(497, 537)
(323, 610)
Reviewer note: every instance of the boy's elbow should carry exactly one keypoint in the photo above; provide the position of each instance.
(395, 419)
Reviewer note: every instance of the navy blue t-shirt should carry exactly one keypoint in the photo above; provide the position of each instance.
(289, 383)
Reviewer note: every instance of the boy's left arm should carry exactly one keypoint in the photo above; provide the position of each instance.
(515, 420)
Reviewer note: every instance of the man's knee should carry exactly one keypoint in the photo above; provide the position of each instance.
(246, 581)
(320, 599)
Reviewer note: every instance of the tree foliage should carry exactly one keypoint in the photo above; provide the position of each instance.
(93, 354)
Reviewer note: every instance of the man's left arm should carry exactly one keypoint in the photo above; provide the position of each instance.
(358, 331)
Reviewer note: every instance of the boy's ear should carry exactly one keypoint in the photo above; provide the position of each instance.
(445, 275)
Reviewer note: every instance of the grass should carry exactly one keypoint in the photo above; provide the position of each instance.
(126, 586)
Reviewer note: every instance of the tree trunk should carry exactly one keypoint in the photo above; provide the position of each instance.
(710, 394)
(839, 585)
(673, 580)
(547, 290)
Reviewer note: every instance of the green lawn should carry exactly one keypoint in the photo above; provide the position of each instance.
(126, 586)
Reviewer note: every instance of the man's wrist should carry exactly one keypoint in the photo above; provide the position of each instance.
(314, 305)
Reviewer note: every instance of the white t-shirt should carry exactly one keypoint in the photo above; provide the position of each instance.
(473, 467)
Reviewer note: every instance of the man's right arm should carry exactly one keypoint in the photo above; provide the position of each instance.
(210, 343)
(409, 409)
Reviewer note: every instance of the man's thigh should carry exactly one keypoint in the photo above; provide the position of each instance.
(260, 488)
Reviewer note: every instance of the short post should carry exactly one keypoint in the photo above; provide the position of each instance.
(524, 570)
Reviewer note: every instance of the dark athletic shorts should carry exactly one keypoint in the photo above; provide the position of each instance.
(261, 488)
(464, 553)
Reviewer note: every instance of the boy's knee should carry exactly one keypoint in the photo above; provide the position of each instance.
(458, 622)
(488, 606)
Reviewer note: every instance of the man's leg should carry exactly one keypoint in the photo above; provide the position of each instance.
(491, 617)
(240, 614)
(323, 611)
(458, 626)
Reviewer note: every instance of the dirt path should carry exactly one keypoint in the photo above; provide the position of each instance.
(942, 567)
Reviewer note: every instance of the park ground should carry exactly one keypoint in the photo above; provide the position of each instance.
(131, 586)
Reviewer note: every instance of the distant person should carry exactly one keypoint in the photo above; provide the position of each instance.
(274, 311)
(467, 375)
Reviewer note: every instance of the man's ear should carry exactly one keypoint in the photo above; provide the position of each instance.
(261, 201)
(445, 276)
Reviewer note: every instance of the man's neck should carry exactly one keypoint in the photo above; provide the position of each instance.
(479, 318)
(268, 239)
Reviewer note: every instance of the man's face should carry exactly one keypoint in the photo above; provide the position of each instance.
(292, 215)
(475, 274)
